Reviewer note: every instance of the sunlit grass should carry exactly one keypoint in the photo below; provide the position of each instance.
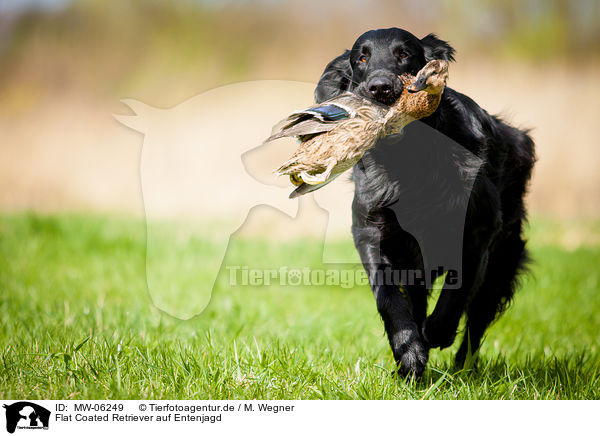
(76, 321)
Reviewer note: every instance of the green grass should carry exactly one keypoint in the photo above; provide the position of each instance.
(76, 321)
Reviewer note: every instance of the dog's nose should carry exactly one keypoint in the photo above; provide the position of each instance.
(380, 87)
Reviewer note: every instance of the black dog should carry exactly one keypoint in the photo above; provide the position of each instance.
(459, 173)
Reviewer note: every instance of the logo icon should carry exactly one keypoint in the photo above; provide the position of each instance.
(26, 415)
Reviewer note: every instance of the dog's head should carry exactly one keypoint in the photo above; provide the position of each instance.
(371, 68)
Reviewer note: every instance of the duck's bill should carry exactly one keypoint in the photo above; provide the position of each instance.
(417, 85)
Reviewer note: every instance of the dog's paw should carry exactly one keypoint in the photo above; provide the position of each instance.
(437, 336)
(411, 355)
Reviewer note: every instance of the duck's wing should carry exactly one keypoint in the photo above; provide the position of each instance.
(297, 165)
(305, 188)
(317, 119)
(302, 125)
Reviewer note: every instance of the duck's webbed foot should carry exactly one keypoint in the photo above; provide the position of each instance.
(316, 179)
(296, 179)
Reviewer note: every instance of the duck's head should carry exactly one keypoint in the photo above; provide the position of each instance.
(431, 78)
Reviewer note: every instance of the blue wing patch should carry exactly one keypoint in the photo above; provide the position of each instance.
(329, 112)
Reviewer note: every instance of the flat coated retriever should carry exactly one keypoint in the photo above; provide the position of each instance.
(460, 165)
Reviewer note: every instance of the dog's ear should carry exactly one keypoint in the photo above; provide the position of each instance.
(335, 79)
(436, 48)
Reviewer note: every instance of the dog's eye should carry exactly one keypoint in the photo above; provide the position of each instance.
(363, 59)
(402, 54)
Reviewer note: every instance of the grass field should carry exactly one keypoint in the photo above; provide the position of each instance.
(76, 321)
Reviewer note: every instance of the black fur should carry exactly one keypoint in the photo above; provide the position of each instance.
(386, 223)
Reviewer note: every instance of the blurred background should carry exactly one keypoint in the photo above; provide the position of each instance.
(66, 64)
(91, 294)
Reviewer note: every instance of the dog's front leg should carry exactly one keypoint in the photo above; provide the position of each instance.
(397, 313)
(440, 328)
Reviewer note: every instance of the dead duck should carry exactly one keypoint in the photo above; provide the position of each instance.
(335, 134)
